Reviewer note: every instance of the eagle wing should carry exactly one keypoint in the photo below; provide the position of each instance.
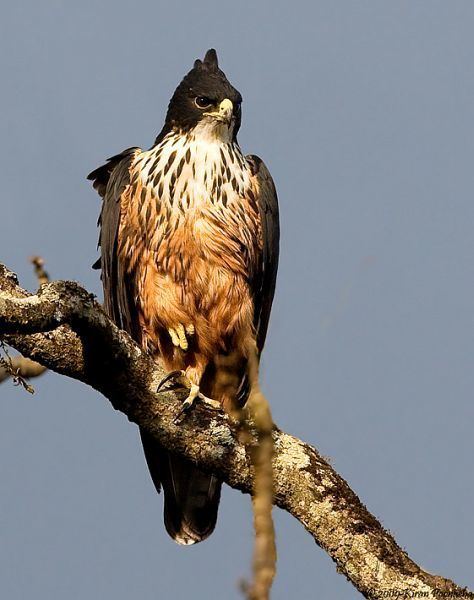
(263, 278)
(111, 180)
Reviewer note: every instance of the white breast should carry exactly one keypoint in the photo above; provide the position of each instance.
(191, 171)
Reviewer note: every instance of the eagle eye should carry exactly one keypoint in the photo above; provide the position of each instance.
(203, 102)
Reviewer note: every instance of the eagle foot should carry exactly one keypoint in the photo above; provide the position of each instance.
(181, 382)
(179, 379)
(189, 402)
(179, 335)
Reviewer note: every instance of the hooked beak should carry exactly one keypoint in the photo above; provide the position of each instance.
(223, 113)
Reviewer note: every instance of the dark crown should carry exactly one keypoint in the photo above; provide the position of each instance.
(210, 61)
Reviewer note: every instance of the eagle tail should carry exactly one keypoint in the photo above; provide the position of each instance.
(191, 496)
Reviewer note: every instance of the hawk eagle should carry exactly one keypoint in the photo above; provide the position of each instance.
(189, 237)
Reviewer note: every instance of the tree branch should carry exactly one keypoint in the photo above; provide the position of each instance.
(65, 329)
(18, 367)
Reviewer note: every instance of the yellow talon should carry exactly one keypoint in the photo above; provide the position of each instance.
(178, 335)
(174, 336)
(183, 342)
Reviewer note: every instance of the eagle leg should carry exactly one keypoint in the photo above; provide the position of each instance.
(188, 403)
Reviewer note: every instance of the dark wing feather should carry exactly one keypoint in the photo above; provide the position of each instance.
(263, 275)
(100, 177)
(264, 279)
(110, 180)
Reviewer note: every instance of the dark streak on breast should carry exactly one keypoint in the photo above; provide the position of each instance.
(156, 179)
(170, 162)
(143, 196)
(180, 168)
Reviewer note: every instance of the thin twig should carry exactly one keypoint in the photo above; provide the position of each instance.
(19, 368)
(41, 274)
(258, 411)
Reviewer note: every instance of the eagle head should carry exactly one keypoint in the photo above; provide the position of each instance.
(205, 102)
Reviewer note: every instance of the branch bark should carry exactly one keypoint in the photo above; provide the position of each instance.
(63, 328)
(18, 367)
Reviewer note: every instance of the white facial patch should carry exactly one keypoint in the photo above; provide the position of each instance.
(214, 130)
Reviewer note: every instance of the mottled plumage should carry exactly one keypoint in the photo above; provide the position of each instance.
(189, 253)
